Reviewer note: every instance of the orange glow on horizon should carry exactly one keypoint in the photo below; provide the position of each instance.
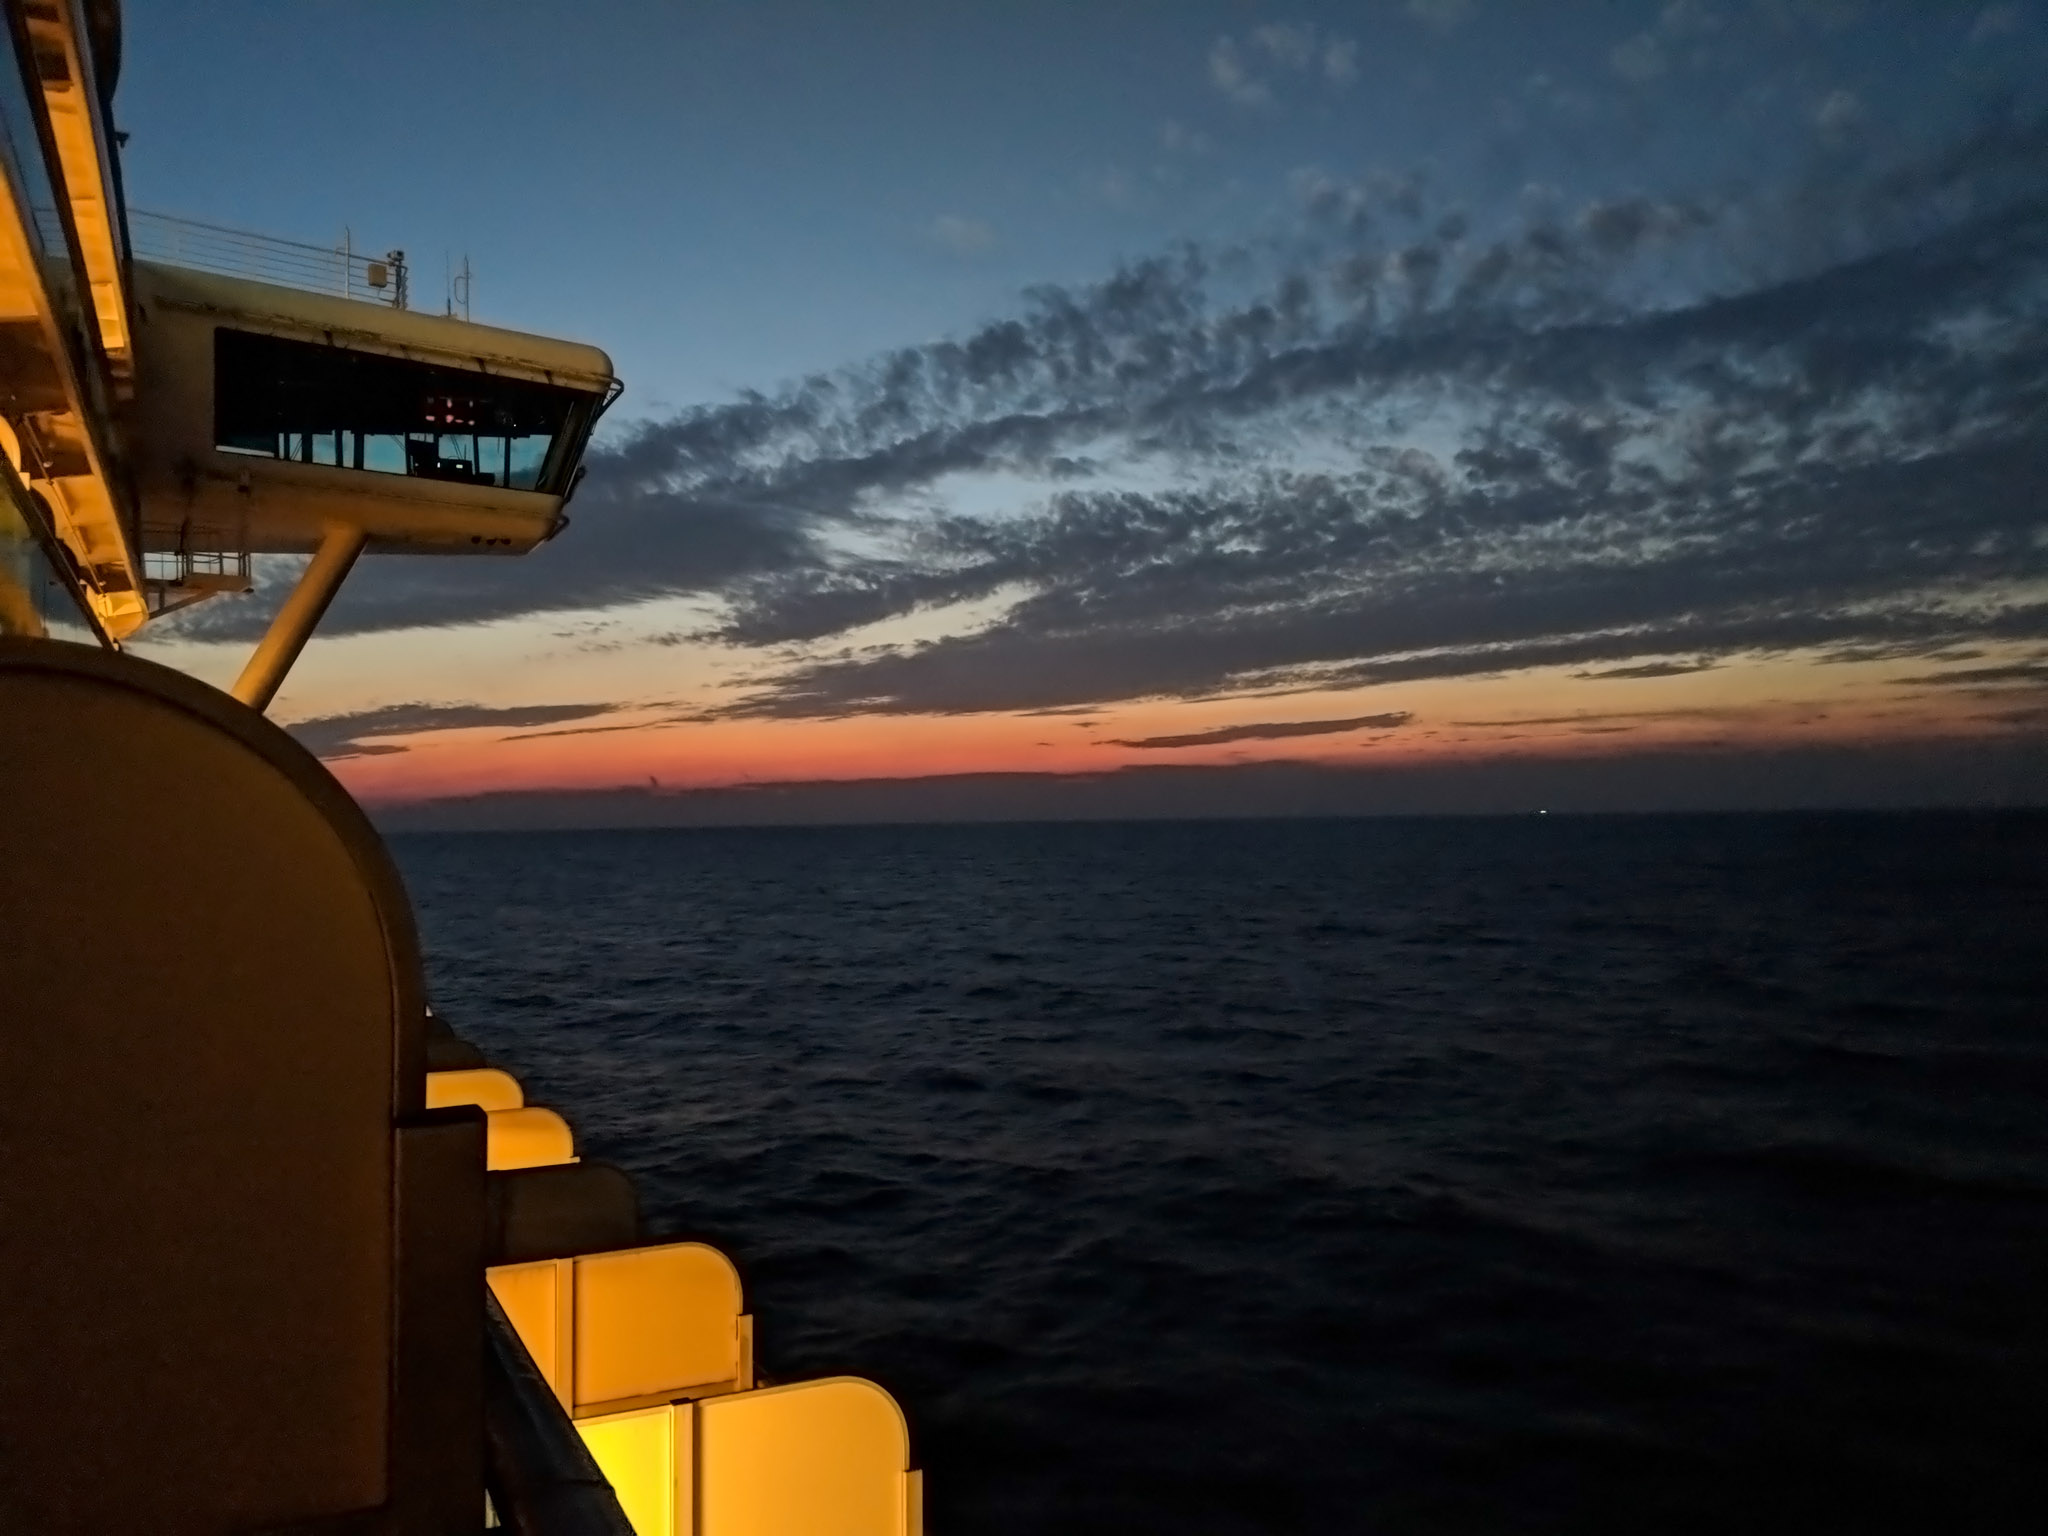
(1760, 707)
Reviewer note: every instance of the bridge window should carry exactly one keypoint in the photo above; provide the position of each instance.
(314, 404)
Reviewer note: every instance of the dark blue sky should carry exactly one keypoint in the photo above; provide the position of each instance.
(727, 194)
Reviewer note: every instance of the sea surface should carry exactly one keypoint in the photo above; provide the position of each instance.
(1546, 1174)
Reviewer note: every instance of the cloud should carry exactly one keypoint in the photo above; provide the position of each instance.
(1839, 115)
(1269, 731)
(1699, 482)
(334, 737)
(1653, 669)
(1114, 187)
(583, 730)
(1806, 418)
(2030, 673)
(1229, 74)
(1689, 18)
(1627, 717)
(1291, 47)
(1639, 60)
(1443, 15)
(1996, 21)
(963, 237)
(1288, 48)
(1340, 61)
(1821, 15)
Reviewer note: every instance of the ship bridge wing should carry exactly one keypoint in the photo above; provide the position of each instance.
(235, 394)
(266, 416)
(272, 419)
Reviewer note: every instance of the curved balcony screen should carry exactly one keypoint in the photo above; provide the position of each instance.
(313, 404)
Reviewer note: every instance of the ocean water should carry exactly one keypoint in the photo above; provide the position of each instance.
(1558, 1174)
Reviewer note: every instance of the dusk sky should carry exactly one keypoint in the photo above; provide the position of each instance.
(1422, 386)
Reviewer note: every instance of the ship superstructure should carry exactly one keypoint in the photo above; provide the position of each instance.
(285, 1253)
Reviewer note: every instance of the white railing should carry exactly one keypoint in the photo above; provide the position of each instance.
(338, 269)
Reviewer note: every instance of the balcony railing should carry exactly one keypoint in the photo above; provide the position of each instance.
(212, 570)
(539, 1475)
(338, 269)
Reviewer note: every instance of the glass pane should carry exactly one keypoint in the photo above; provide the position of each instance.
(528, 455)
(384, 453)
(317, 403)
(35, 599)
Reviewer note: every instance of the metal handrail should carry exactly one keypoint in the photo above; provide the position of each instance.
(339, 269)
(540, 1474)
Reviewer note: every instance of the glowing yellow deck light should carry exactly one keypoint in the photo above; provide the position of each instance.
(536, 1302)
(825, 1458)
(656, 1322)
(527, 1138)
(485, 1087)
(645, 1456)
(633, 1327)
(813, 1458)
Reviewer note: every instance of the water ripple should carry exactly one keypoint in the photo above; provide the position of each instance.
(1572, 1175)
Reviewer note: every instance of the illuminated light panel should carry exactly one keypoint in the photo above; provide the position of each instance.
(526, 1138)
(485, 1087)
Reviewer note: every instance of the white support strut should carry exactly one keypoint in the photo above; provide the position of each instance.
(295, 621)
